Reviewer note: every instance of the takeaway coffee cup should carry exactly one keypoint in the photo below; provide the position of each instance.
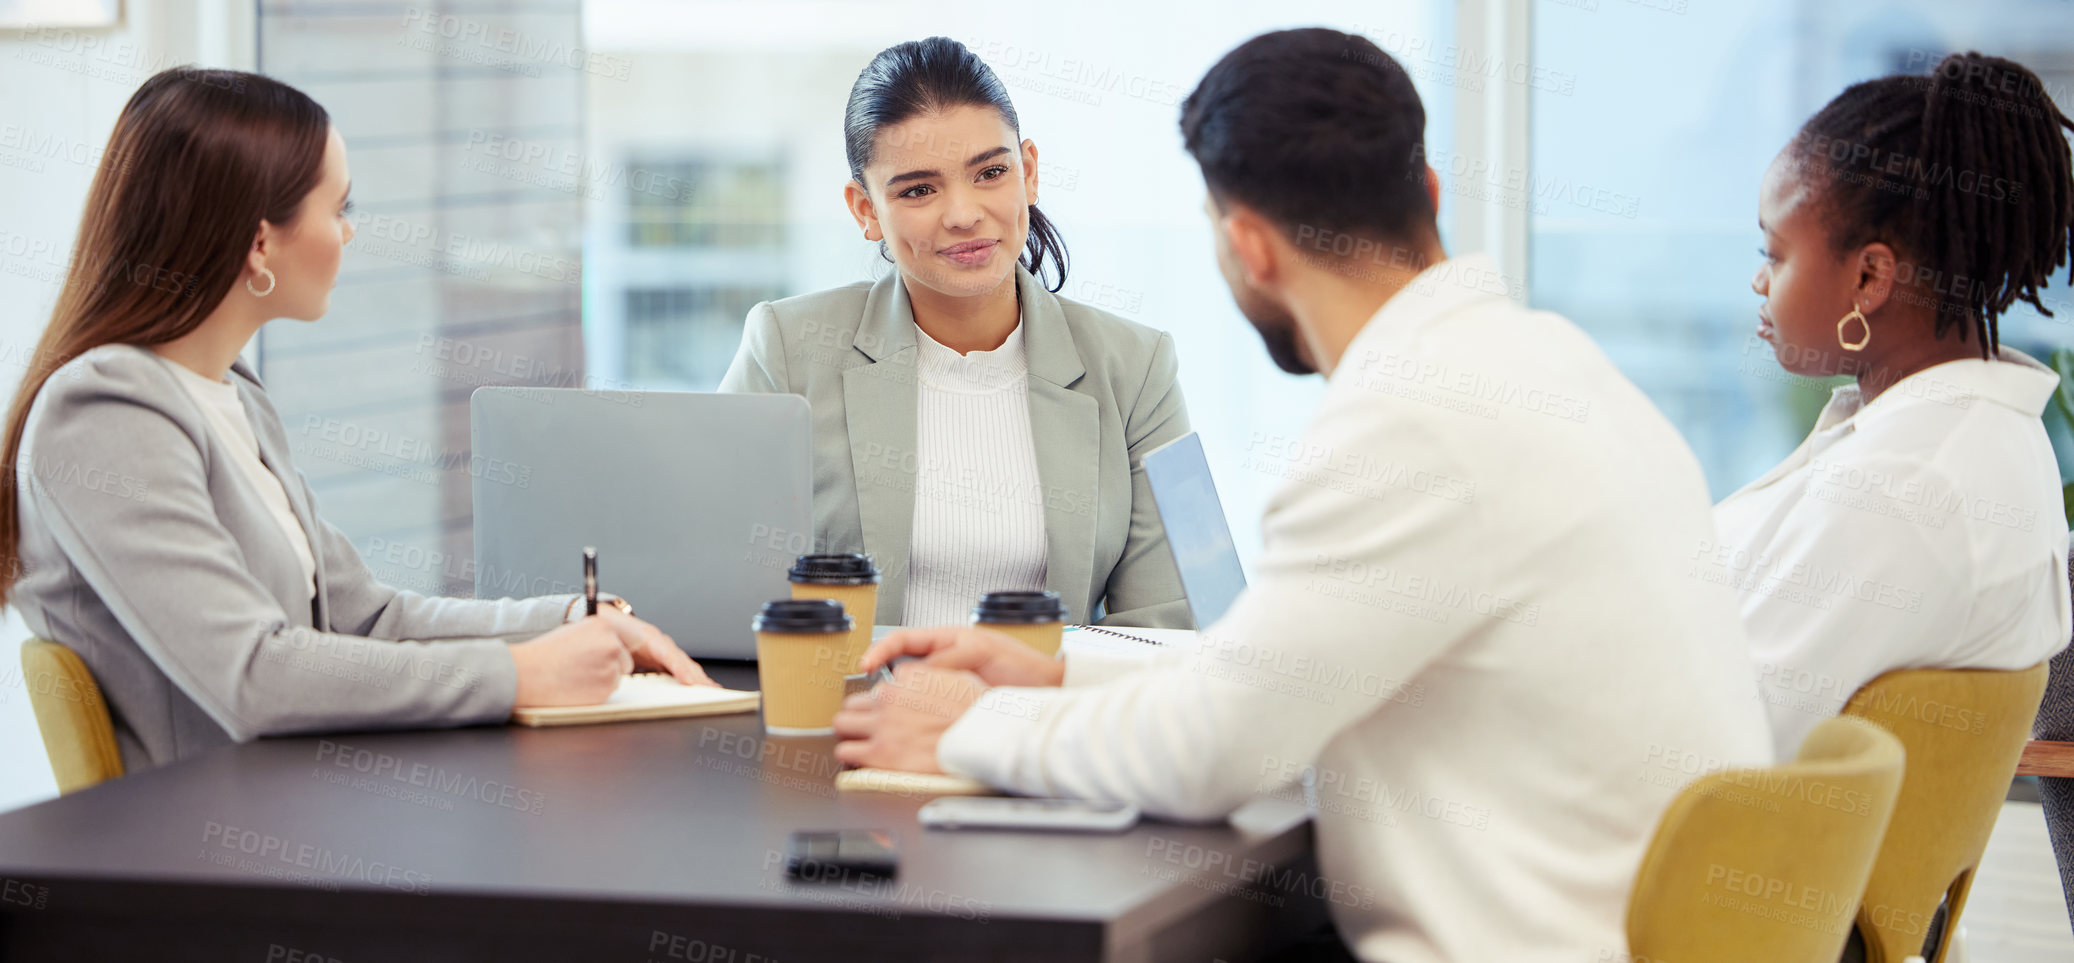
(850, 579)
(799, 651)
(1036, 619)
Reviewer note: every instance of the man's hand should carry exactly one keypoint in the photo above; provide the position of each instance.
(898, 724)
(997, 659)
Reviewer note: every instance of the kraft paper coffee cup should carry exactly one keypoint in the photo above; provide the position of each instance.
(1036, 619)
(850, 579)
(799, 664)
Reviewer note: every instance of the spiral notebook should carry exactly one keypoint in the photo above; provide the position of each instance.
(1162, 637)
(643, 696)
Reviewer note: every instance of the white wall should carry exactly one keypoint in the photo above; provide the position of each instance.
(61, 90)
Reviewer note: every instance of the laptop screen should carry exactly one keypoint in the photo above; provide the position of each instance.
(1196, 529)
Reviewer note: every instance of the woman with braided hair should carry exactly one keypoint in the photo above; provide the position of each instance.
(1921, 523)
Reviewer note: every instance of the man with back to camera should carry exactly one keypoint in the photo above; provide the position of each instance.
(1474, 622)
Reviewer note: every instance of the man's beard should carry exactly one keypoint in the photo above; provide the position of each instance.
(1278, 331)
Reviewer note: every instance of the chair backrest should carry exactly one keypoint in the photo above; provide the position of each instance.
(1963, 729)
(1768, 864)
(77, 733)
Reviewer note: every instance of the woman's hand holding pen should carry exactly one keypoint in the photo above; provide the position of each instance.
(650, 647)
(580, 663)
(577, 664)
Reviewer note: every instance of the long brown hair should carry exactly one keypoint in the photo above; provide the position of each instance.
(198, 158)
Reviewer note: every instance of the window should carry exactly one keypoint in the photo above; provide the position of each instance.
(744, 104)
(1645, 172)
(682, 202)
(463, 130)
(687, 335)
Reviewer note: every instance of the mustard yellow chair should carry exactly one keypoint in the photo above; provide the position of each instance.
(77, 733)
(1766, 865)
(1964, 730)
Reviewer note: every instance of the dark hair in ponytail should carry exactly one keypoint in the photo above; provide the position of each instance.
(1964, 171)
(929, 75)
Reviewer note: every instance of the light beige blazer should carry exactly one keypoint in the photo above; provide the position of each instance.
(1102, 393)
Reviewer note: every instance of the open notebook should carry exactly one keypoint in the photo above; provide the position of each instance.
(1099, 634)
(646, 695)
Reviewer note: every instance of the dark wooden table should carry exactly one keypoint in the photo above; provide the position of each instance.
(657, 841)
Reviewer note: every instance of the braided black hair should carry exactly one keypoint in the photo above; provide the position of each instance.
(1964, 173)
(924, 75)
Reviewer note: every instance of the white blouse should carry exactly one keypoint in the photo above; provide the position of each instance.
(979, 505)
(1925, 529)
(226, 416)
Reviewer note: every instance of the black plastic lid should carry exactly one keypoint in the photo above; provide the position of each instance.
(834, 570)
(1019, 608)
(803, 616)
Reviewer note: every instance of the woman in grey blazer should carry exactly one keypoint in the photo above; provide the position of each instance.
(154, 523)
(972, 430)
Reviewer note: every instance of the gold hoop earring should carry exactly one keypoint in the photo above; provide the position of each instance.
(270, 282)
(1860, 344)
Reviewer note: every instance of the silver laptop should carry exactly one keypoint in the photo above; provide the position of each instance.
(697, 503)
(1196, 530)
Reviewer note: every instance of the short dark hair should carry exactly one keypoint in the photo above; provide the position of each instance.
(1963, 172)
(1314, 128)
(922, 76)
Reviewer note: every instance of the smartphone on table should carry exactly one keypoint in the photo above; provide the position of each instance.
(836, 854)
(1011, 812)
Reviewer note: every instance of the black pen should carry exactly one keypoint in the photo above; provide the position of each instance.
(590, 580)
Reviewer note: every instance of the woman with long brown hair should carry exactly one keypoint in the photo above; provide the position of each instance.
(154, 523)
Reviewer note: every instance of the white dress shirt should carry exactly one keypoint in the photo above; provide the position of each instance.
(1924, 529)
(979, 507)
(1468, 628)
(225, 414)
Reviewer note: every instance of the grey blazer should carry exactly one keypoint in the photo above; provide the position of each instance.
(146, 552)
(1102, 393)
